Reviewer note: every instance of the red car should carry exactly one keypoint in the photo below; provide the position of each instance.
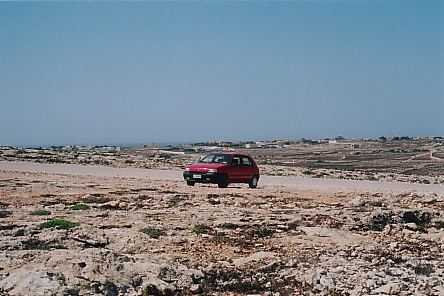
(223, 168)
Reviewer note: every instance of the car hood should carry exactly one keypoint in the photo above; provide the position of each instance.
(203, 167)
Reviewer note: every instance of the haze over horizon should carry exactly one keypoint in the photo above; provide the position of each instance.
(150, 72)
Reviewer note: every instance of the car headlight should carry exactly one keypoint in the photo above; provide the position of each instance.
(212, 170)
(187, 169)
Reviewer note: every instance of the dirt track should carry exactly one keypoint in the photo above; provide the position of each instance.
(174, 175)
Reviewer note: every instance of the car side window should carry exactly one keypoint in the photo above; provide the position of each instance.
(246, 161)
(236, 161)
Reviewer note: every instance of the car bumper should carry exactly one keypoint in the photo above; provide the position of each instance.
(201, 177)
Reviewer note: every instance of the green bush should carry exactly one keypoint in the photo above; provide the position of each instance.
(201, 228)
(58, 223)
(40, 213)
(152, 232)
(80, 206)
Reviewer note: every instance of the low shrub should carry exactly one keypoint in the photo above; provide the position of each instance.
(308, 172)
(58, 223)
(201, 228)
(79, 207)
(40, 213)
(152, 232)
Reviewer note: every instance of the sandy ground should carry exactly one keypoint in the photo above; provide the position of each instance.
(287, 181)
(144, 232)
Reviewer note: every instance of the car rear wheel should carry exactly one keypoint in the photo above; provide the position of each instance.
(190, 183)
(222, 182)
(253, 182)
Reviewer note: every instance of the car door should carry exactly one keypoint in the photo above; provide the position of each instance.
(247, 168)
(235, 172)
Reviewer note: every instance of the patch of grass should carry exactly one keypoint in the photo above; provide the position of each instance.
(107, 206)
(34, 244)
(58, 223)
(152, 232)
(129, 161)
(294, 225)
(309, 206)
(379, 221)
(370, 176)
(52, 203)
(201, 228)
(322, 174)
(55, 160)
(423, 270)
(110, 226)
(79, 207)
(43, 152)
(228, 225)
(308, 172)
(40, 213)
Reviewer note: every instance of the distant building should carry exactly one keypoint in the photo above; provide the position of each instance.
(274, 146)
(255, 145)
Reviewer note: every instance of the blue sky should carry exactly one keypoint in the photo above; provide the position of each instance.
(138, 72)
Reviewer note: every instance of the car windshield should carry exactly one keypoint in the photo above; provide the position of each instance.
(216, 158)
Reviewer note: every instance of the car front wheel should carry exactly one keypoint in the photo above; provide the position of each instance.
(253, 182)
(222, 182)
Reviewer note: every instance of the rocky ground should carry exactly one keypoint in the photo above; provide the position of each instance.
(276, 170)
(82, 235)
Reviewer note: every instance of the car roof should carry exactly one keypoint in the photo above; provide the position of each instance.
(229, 152)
